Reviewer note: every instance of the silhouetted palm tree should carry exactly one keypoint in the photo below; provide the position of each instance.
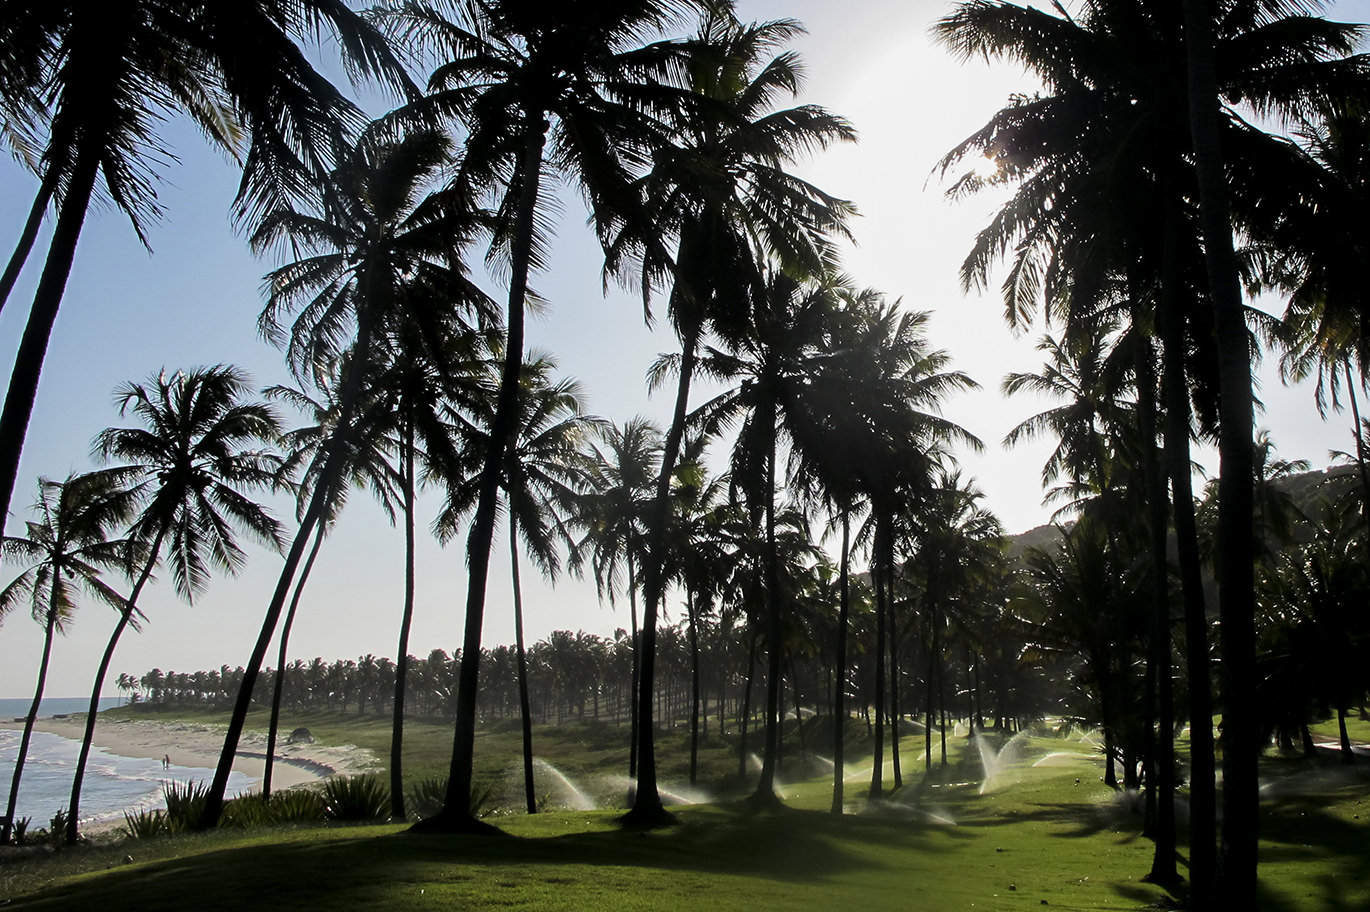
(380, 253)
(541, 478)
(721, 193)
(114, 72)
(192, 464)
(613, 512)
(571, 89)
(66, 548)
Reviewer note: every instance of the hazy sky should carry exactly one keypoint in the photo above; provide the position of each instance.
(195, 301)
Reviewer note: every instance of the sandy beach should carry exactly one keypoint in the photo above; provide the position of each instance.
(194, 745)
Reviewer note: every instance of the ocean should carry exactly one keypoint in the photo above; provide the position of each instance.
(113, 784)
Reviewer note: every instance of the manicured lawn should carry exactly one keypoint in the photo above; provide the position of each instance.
(1044, 833)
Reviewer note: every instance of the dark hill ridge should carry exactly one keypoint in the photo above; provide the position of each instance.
(1308, 490)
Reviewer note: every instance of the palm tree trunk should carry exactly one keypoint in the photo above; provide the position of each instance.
(1236, 583)
(529, 796)
(765, 789)
(397, 811)
(634, 708)
(323, 494)
(745, 715)
(273, 728)
(647, 809)
(28, 725)
(894, 675)
(88, 736)
(1161, 776)
(694, 685)
(33, 346)
(877, 787)
(25, 244)
(456, 811)
(1175, 386)
(839, 700)
(1361, 468)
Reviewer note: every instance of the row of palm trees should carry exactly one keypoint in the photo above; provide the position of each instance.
(1131, 166)
(1119, 230)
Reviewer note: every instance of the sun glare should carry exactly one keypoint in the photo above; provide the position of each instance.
(986, 168)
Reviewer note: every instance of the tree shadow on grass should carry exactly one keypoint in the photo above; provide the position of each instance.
(793, 847)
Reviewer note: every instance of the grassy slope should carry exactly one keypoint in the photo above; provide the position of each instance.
(1048, 833)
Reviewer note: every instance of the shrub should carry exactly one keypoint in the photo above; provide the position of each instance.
(246, 812)
(297, 805)
(21, 830)
(355, 798)
(426, 797)
(57, 829)
(145, 824)
(185, 804)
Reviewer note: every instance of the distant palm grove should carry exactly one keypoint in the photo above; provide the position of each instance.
(832, 570)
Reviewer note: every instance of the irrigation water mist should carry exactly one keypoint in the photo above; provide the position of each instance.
(996, 763)
(567, 792)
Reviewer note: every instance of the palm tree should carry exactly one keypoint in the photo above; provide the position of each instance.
(542, 475)
(613, 511)
(1113, 117)
(696, 559)
(66, 547)
(114, 72)
(191, 464)
(575, 89)
(379, 254)
(720, 190)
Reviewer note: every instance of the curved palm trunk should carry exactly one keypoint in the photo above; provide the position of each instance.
(647, 809)
(28, 721)
(456, 811)
(526, 715)
(273, 728)
(1236, 583)
(397, 811)
(329, 477)
(33, 346)
(92, 709)
(839, 701)
(25, 245)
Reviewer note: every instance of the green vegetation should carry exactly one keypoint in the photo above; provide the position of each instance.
(1045, 828)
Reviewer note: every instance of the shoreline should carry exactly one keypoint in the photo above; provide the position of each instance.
(197, 746)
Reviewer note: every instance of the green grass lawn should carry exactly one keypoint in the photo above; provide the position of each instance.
(1044, 832)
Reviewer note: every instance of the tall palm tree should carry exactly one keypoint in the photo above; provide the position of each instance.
(1115, 116)
(721, 191)
(66, 548)
(613, 513)
(766, 371)
(541, 478)
(572, 89)
(192, 464)
(116, 71)
(380, 252)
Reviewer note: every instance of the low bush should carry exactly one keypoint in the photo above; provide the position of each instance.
(296, 805)
(185, 805)
(145, 824)
(356, 798)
